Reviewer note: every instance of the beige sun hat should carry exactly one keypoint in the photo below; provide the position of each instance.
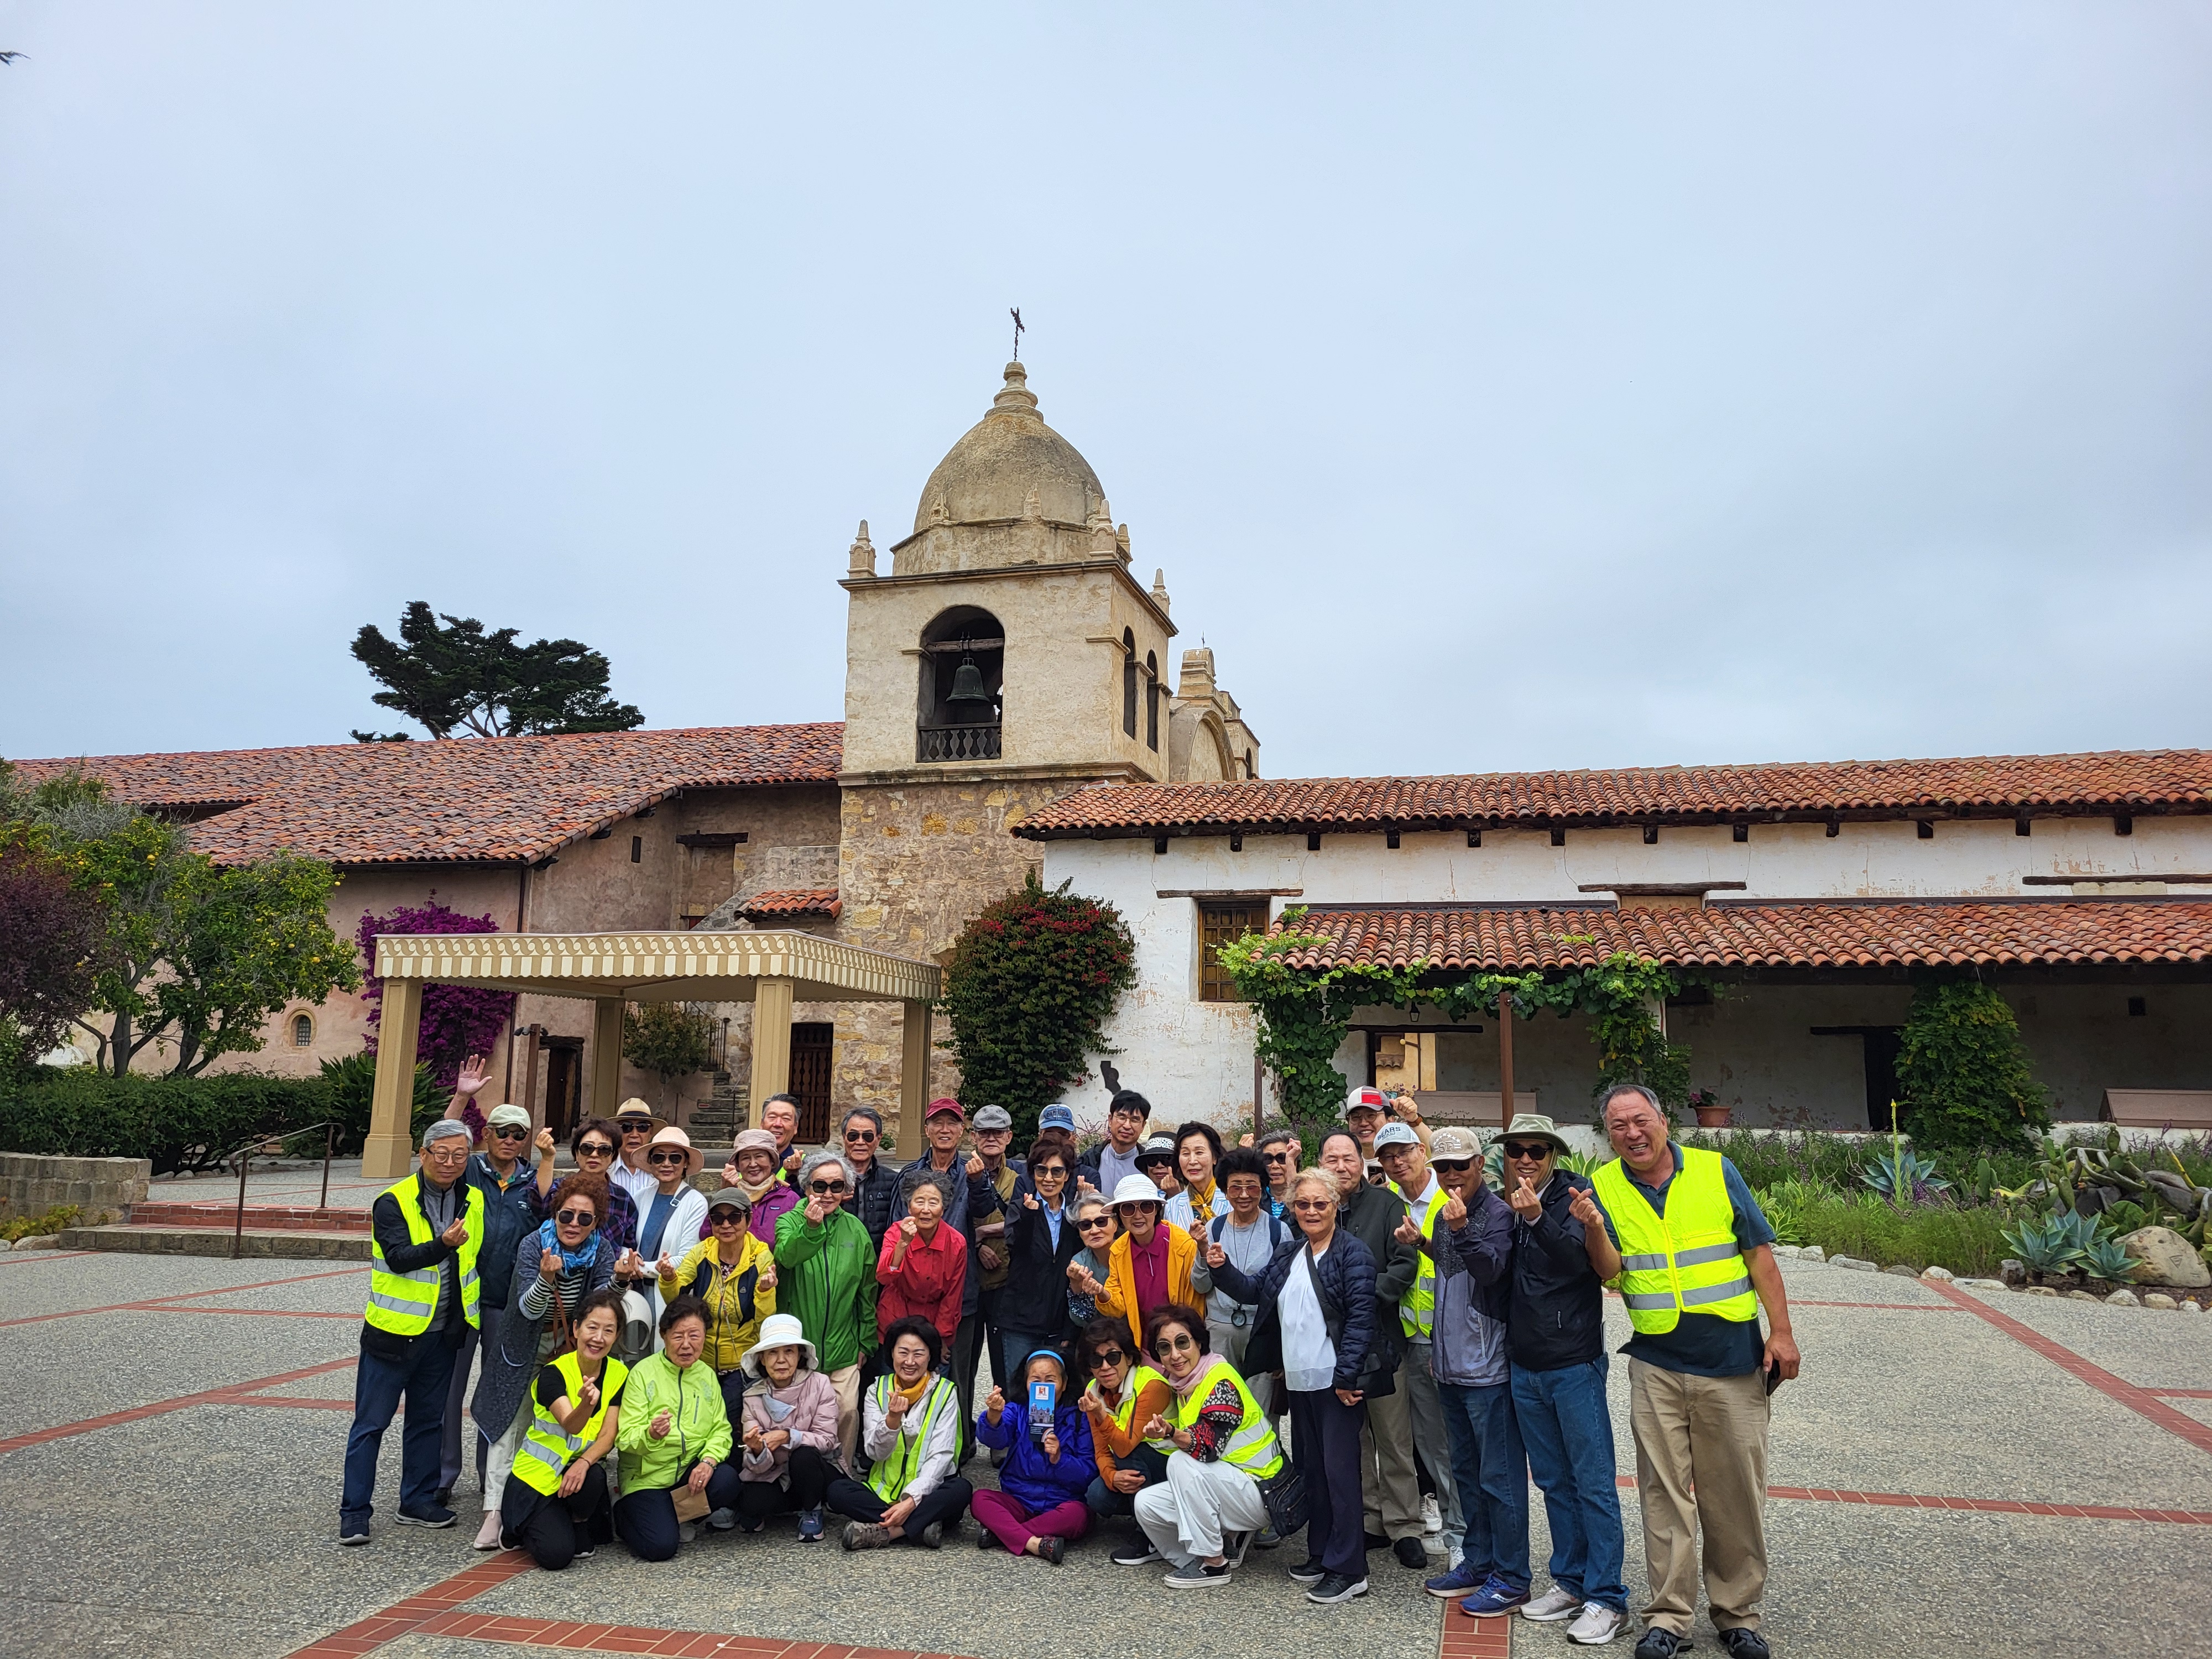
(671, 1136)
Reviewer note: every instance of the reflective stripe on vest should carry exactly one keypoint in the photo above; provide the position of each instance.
(1252, 1448)
(1688, 1259)
(402, 1304)
(1132, 1386)
(543, 1457)
(891, 1476)
(1417, 1308)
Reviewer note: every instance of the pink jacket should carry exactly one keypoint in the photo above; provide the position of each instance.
(812, 1421)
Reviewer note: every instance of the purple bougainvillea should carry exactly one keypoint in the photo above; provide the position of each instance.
(457, 1020)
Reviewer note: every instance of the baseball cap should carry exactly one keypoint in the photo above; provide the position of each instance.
(507, 1117)
(1057, 1116)
(993, 1117)
(1156, 1147)
(1396, 1135)
(1369, 1098)
(942, 1105)
(1452, 1142)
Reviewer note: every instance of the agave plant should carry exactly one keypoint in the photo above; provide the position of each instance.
(2050, 1244)
(1902, 1175)
(2103, 1258)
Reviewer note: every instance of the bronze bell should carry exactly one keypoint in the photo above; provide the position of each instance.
(969, 703)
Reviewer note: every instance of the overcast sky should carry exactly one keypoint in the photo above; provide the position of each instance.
(1500, 386)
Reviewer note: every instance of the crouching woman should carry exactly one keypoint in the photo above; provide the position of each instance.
(910, 1426)
(555, 1505)
(674, 1434)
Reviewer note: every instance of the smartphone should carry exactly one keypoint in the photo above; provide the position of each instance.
(1044, 1400)
(1773, 1376)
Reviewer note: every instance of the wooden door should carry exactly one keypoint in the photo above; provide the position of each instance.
(812, 1045)
(564, 1085)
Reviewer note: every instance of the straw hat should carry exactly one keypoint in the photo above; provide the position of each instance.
(671, 1136)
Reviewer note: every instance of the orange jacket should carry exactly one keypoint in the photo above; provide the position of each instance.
(1119, 1295)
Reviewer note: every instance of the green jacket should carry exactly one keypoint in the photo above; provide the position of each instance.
(700, 1427)
(826, 1275)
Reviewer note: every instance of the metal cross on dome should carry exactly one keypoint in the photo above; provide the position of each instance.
(1015, 312)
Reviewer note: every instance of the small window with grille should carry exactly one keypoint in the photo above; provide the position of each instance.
(303, 1031)
(1221, 922)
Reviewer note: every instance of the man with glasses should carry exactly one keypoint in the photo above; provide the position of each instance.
(633, 1123)
(1115, 1158)
(875, 1184)
(500, 1175)
(826, 1275)
(1563, 1251)
(1406, 1163)
(1279, 1152)
(423, 1294)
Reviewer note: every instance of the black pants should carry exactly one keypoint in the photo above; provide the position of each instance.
(1326, 1433)
(945, 1505)
(809, 1479)
(647, 1520)
(552, 1527)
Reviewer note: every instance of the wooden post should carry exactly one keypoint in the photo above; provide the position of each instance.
(771, 1044)
(390, 1149)
(607, 1057)
(530, 1034)
(1258, 1119)
(1505, 1058)
(914, 1078)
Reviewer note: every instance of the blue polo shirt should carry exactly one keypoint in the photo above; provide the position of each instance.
(1705, 1345)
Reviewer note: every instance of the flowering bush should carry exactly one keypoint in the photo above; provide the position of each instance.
(457, 1020)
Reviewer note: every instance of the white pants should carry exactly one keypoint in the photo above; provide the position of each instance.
(1186, 1514)
(499, 1462)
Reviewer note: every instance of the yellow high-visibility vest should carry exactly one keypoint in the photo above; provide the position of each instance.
(1417, 1308)
(1252, 1448)
(1689, 1259)
(1125, 1412)
(402, 1304)
(543, 1457)
(894, 1473)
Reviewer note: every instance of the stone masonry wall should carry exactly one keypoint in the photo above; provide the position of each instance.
(30, 1185)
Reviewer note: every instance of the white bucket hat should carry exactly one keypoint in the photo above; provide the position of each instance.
(1136, 1189)
(778, 1331)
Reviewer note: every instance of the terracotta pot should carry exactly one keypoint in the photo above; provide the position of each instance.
(1715, 1117)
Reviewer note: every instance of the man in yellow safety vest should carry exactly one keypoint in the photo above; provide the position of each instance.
(1696, 1266)
(423, 1297)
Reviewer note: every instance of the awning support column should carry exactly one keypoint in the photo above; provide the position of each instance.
(607, 1057)
(389, 1151)
(914, 1078)
(771, 1044)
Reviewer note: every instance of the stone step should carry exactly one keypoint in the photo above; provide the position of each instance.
(287, 1244)
(267, 1218)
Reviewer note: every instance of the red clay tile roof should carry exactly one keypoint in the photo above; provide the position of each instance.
(2173, 780)
(1810, 934)
(462, 800)
(793, 901)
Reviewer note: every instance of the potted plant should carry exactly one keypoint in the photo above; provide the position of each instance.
(1712, 1115)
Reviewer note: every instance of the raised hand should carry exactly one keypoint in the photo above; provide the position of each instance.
(910, 1226)
(548, 1264)
(767, 1280)
(543, 1144)
(1408, 1231)
(454, 1236)
(793, 1160)
(1216, 1257)
(1157, 1427)
(472, 1077)
(1525, 1203)
(818, 1208)
(894, 1413)
(1029, 1201)
(658, 1429)
(1051, 1443)
(665, 1267)
(974, 1164)
(1088, 1400)
(1454, 1212)
(1582, 1206)
(730, 1173)
(995, 1405)
(1407, 1110)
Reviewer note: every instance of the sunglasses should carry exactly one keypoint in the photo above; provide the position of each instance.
(1049, 1172)
(1096, 1221)
(1528, 1149)
(1316, 1205)
(1451, 1166)
(509, 1132)
(1107, 1357)
(1181, 1342)
(666, 1157)
(577, 1218)
(596, 1149)
(1276, 1157)
(644, 1128)
(826, 1187)
(863, 1136)
(726, 1218)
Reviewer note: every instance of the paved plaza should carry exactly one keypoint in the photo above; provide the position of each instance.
(1958, 1472)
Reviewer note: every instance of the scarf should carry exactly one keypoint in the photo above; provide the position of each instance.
(1198, 1387)
(572, 1261)
(753, 1194)
(913, 1395)
(1201, 1203)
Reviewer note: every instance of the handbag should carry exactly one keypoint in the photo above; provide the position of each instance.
(1288, 1504)
(636, 1340)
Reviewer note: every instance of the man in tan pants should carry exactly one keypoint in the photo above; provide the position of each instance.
(1697, 1267)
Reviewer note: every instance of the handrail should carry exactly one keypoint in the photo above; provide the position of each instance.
(272, 1146)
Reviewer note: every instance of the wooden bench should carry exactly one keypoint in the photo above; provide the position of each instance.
(2157, 1108)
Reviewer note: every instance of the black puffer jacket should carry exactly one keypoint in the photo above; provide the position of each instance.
(1557, 1316)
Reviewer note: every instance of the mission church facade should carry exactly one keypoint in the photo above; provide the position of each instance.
(1007, 708)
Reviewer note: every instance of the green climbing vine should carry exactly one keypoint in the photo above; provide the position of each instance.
(1303, 1010)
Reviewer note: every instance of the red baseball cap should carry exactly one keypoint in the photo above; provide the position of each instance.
(942, 1105)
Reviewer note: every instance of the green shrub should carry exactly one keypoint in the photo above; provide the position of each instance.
(179, 1122)
(1810, 1156)
(1966, 1082)
(349, 1091)
(41, 1226)
(1966, 1241)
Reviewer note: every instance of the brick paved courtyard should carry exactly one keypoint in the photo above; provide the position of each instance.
(1959, 1472)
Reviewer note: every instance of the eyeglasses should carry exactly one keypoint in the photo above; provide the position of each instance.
(1181, 1342)
(577, 1218)
(509, 1132)
(1124, 1111)
(1107, 1357)
(1276, 1157)
(863, 1136)
(666, 1157)
(826, 1187)
(1049, 1172)
(1451, 1166)
(726, 1218)
(1528, 1149)
(629, 1129)
(596, 1149)
(1316, 1205)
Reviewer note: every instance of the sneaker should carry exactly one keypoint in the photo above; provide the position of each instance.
(1054, 1550)
(1233, 1547)
(933, 1536)
(1462, 1580)
(1410, 1552)
(723, 1520)
(487, 1536)
(584, 1551)
(1309, 1571)
(1432, 1518)
(1743, 1643)
(1136, 1554)
(439, 1517)
(686, 1533)
(1336, 1588)
(353, 1532)
(1374, 1541)
(1495, 1597)
(867, 1535)
(1197, 1576)
(1267, 1539)
(1552, 1605)
(1597, 1624)
(810, 1525)
(1660, 1642)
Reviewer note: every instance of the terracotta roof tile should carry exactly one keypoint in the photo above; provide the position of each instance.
(1810, 934)
(2173, 779)
(462, 800)
(793, 901)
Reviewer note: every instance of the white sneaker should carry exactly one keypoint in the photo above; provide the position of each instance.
(488, 1533)
(1551, 1605)
(1597, 1625)
(1432, 1518)
(1456, 1556)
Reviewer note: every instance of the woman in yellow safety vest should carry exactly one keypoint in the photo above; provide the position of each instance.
(1124, 1394)
(555, 1505)
(910, 1425)
(1203, 1516)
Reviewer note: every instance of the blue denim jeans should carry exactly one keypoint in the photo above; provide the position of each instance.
(1490, 1470)
(423, 1377)
(1568, 1433)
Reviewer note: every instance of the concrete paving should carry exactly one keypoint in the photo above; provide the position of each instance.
(210, 1528)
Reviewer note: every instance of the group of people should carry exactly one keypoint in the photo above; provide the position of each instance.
(1161, 1314)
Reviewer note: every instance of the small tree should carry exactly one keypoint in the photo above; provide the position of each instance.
(1967, 1082)
(1027, 988)
(51, 940)
(457, 1020)
(460, 676)
(672, 1039)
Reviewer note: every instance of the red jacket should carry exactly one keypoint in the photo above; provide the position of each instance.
(926, 1285)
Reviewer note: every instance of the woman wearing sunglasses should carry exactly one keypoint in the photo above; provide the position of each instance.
(1206, 1511)
(1041, 1239)
(826, 1275)
(1122, 1395)
(569, 1259)
(1316, 1301)
(676, 1213)
(734, 1274)
(595, 1145)
(1095, 1230)
(557, 1506)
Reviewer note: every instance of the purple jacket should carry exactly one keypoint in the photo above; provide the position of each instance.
(1028, 1473)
